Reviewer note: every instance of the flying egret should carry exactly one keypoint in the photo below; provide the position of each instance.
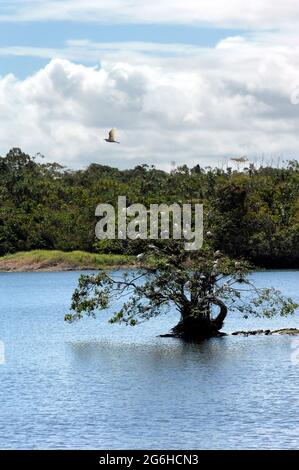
(240, 159)
(112, 137)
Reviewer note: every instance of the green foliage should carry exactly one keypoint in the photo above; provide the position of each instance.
(252, 214)
(191, 283)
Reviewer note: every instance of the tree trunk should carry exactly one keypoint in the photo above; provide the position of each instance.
(196, 326)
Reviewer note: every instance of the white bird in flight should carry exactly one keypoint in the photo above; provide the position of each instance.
(240, 159)
(112, 137)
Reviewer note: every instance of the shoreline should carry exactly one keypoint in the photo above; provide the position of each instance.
(59, 261)
(63, 261)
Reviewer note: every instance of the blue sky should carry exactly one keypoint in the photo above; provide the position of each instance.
(193, 81)
(54, 34)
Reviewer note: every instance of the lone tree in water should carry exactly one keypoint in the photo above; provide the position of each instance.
(195, 285)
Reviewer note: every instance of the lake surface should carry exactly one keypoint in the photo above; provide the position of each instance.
(94, 385)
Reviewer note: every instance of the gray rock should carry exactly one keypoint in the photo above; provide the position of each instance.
(283, 331)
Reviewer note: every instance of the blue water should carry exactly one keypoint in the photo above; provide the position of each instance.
(94, 385)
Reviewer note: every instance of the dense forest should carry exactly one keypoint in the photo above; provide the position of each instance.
(253, 213)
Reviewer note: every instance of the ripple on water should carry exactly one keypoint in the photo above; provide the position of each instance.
(93, 385)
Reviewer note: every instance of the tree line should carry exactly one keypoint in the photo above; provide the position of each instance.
(251, 214)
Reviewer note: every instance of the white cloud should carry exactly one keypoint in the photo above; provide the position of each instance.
(200, 105)
(88, 51)
(253, 14)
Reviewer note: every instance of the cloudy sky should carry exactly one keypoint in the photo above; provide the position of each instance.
(190, 81)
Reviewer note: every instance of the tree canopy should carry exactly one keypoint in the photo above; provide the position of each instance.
(191, 283)
(253, 214)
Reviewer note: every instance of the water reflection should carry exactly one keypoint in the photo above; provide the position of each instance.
(93, 385)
